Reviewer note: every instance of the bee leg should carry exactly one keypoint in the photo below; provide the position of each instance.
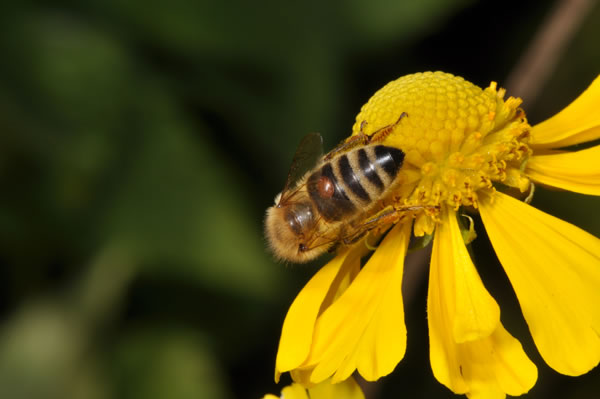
(389, 217)
(363, 139)
(385, 218)
(382, 133)
(348, 144)
(333, 249)
(354, 238)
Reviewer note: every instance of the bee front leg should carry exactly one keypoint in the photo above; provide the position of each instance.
(383, 219)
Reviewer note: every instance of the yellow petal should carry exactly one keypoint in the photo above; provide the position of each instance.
(347, 389)
(577, 123)
(302, 376)
(496, 366)
(297, 331)
(577, 171)
(364, 329)
(475, 313)
(294, 391)
(490, 363)
(554, 268)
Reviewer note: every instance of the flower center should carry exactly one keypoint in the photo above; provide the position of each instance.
(458, 139)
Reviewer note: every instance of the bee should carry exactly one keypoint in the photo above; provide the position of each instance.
(333, 201)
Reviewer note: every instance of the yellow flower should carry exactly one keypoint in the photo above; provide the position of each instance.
(466, 148)
(348, 389)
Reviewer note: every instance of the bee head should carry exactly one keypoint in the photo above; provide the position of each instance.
(289, 229)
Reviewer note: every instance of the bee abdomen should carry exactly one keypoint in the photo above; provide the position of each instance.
(389, 159)
(354, 180)
(377, 167)
(351, 179)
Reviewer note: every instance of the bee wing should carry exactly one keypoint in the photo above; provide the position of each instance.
(308, 154)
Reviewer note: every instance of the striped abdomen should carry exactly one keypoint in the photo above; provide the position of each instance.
(352, 181)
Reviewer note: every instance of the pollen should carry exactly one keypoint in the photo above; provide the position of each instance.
(460, 140)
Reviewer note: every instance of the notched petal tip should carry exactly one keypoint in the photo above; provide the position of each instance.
(470, 351)
(364, 329)
(298, 326)
(554, 268)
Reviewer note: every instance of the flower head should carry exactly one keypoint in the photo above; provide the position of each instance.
(466, 148)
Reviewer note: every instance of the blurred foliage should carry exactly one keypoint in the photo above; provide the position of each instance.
(140, 143)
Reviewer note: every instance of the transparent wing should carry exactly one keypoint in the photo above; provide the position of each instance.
(309, 152)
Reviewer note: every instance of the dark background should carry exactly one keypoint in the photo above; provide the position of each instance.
(141, 142)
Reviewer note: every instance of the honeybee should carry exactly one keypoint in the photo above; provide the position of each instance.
(333, 201)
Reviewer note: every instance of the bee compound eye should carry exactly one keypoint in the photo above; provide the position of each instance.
(302, 248)
(325, 187)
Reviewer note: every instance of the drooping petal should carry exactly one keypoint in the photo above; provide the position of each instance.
(577, 171)
(364, 329)
(470, 350)
(554, 268)
(577, 123)
(476, 313)
(298, 327)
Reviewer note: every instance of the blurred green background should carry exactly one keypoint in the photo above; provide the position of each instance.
(141, 142)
